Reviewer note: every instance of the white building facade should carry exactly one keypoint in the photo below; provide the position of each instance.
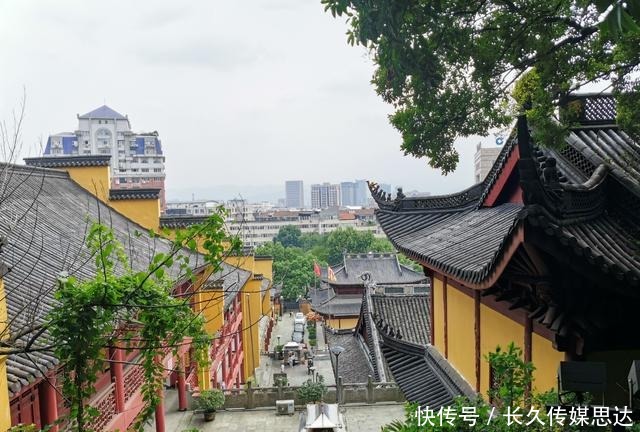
(325, 195)
(137, 160)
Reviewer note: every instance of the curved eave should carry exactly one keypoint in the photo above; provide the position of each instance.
(465, 246)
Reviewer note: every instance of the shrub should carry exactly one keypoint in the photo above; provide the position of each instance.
(210, 400)
(312, 391)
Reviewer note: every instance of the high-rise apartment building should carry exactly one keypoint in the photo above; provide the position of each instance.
(484, 159)
(137, 160)
(348, 193)
(325, 195)
(354, 193)
(294, 193)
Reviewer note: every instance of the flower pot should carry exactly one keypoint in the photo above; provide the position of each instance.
(209, 415)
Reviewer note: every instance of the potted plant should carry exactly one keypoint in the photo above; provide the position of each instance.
(279, 350)
(312, 391)
(208, 402)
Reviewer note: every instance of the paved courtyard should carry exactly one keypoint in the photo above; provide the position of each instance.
(298, 374)
(360, 418)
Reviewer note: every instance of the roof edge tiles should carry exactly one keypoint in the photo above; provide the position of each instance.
(134, 194)
(68, 161)
(182, 221)
(32, 169)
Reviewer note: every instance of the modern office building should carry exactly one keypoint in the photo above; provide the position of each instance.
(484, 159)
(325, 195)
(294, 192)
(137, 160)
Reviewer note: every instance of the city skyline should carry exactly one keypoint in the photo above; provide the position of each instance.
(295, 89)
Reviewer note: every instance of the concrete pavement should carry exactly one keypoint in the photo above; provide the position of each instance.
(298, 374)
(358, 418)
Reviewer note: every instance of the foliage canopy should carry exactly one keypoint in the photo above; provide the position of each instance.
(293, 266)
(449, 67)
(123, 308)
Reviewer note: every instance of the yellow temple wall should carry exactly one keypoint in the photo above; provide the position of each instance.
(95, 179)
(546, 361)
(461, 333)
(145, 212)
(495, 330)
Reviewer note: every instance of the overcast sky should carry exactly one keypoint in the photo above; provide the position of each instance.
(243, 93)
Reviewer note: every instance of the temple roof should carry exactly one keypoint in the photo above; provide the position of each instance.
(44, 221)
(585, 196)
(405, 314)
(382, 268)
(343, 305)
(391, 343)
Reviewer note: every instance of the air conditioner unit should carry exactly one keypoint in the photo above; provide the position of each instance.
(285, 407)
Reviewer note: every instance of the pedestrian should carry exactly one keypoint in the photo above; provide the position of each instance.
(282, 368)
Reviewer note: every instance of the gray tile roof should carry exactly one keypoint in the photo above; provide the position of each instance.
(353, 364)
(103, 112)
(423, 375)
(406, 315)
(45, 217)
(68, 161)
(320, 295)
(464, 244)
(134, 193)
(340, 305)
(591, 209)
(180, 221)
(384, 268)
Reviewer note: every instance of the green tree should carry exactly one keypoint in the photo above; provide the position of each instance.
(289, 235)
(292, 267)
(123, 307)
(347, 240)
(448, 67)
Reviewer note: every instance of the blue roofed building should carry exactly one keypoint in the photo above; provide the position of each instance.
(137, 159)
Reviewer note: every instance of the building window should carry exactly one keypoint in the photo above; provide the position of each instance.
(420, 290)
(145, 170)
(157, 170)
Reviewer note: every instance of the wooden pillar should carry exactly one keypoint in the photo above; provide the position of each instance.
(528, 330)
(476, 313)
(160, 426)
(182, 387)
(446, 317)
(225, 367)
(48, 403)
(117, 375)
(432, 315)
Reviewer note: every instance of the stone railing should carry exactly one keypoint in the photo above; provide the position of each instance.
(370, 392)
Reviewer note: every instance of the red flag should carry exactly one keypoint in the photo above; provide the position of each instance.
(316, 269)
(330, 274)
